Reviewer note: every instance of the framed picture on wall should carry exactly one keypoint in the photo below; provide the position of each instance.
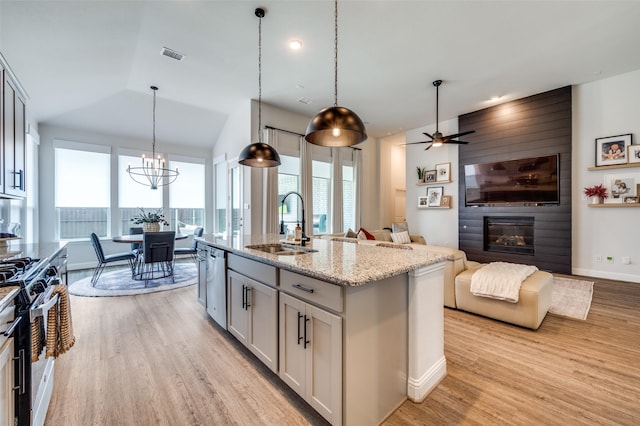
(430, 176)
(434, 195)
(423, 201)
(445, 201)
(612, 150)
(443, 172)
(620, 186)
(633, 153)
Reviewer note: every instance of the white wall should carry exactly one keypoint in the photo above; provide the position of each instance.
(393, 163)
(603, 108)
(81, 253)
(438, 226)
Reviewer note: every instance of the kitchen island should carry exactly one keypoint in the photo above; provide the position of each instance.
(354, 329)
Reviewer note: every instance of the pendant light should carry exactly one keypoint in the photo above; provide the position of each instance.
(259, 154)
(336, 126)
(153, 172)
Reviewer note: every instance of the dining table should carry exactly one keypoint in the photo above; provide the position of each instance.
(138, 238)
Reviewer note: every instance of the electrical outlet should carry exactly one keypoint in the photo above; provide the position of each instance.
(626, 260)
(597, 258)
(609, 259)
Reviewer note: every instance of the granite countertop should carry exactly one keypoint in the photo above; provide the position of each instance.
(337, 262)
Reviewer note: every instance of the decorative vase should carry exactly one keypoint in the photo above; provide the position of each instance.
(151, 226)
(596, 200)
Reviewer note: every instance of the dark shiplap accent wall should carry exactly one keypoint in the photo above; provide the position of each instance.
(528, 127)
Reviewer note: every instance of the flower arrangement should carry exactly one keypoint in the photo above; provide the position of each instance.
(149, 217)
(596, 191)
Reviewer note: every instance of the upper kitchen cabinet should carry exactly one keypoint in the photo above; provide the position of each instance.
(12, 134)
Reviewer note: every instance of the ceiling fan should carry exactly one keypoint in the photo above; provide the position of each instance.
(437, 139)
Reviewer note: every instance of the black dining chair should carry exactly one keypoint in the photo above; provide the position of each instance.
(104, 260)
(191, 251)
(135, 247)
(157, 256)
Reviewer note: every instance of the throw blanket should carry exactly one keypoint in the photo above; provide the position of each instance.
(500, 280)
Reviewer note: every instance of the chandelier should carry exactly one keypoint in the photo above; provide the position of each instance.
(153, 172)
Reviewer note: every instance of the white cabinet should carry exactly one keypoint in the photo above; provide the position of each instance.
(311, 355)
(7, 409)
(253, 316)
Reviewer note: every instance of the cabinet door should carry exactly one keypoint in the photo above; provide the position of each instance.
(324, 364)
(238, 318)
(263, 334)
(7, 409)
(292, 352)
(8, 135)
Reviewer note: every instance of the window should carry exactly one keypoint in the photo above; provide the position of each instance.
(186, 197)
(348, 199)
(82, 189)
(133, 196)
(289, 180)
(321, 196)
(220, 219)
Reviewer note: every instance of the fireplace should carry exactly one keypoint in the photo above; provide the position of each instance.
(509, 234)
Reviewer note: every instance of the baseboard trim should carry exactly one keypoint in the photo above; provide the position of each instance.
(606, 275)
(419, 389)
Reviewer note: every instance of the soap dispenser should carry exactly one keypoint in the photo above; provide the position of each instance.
(298, 232)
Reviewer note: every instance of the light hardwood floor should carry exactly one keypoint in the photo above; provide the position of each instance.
(156, 359)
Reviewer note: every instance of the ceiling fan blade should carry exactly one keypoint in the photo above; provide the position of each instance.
(458, 142)
(415, 143)
(428, 147)
(427, 135)
(459, 134)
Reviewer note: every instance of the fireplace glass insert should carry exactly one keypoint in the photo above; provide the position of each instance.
(511, 234)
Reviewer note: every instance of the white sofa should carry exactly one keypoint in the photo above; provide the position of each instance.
(529, 311)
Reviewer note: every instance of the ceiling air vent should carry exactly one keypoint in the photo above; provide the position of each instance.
(172, 54)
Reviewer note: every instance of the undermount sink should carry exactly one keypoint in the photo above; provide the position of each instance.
(281, 249)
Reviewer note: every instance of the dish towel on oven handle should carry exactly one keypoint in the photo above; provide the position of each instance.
(60, 336)
(37, 338)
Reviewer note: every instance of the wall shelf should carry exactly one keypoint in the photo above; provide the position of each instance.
(615, 205)
(615, 166)
(433, 183)
(439, 207)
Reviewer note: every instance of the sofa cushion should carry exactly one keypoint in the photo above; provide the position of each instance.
(382, 235)
(399, 227)
(401, 237)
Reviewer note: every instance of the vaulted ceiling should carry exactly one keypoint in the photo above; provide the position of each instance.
(89, 64)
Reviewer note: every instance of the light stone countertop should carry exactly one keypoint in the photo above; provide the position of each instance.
(337, 262)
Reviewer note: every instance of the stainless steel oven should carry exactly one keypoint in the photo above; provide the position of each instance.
(33, 281)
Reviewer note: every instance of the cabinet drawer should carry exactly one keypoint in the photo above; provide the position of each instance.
(312, 290)
(261, 272)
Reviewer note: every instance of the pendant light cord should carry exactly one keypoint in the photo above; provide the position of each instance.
(153, 144)
(335, 54)
(260, 80)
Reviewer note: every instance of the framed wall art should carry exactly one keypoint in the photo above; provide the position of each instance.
(633, 153)
(434, 195)
(430, 176)
(443, 172)
(445, 201)
(612, 150)
(423, 201)
(620, 186)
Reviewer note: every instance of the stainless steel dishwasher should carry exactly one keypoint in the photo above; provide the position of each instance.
(217, 286)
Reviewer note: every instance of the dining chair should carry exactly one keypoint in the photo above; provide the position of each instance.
(191, 251)
(135, 247)
(103, 259)
(157, 256)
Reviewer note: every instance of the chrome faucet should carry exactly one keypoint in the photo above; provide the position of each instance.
(282, 231)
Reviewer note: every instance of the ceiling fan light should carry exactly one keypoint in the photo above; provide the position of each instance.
(259, 154)
(437, 143)
(336, 127)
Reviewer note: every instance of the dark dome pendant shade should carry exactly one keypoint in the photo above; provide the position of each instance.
(336, 126)
(259, 154)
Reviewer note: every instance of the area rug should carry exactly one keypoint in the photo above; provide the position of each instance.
(571, 298)
(120, 283)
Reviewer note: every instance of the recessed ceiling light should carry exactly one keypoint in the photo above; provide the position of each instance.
(305, 101)
(299, 86)
(295, 44)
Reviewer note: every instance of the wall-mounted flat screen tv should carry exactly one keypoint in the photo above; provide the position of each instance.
(526, 181)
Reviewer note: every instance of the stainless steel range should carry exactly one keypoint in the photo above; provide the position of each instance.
(28, 274)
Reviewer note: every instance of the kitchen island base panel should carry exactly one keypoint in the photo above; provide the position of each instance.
(375, 350)
(427, 363)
